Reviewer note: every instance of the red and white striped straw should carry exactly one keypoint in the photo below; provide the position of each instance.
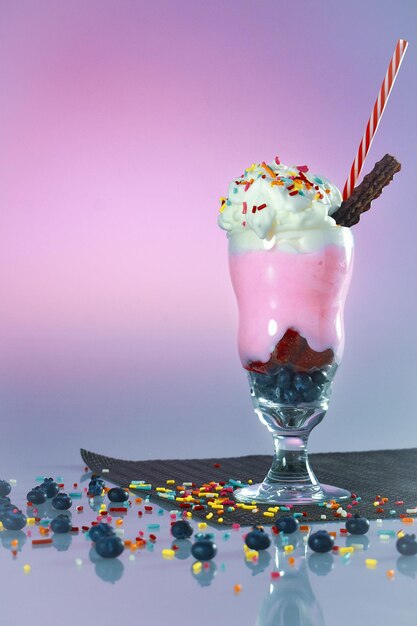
(373, 122)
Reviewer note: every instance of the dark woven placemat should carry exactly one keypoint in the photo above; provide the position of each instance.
(388, 474)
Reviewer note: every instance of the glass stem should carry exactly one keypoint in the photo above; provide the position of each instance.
(290, 465)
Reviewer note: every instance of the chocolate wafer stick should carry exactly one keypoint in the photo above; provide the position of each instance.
(370, 188)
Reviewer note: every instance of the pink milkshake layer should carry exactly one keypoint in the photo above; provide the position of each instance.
(278, 290)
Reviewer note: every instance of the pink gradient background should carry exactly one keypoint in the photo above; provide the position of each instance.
(121, 125)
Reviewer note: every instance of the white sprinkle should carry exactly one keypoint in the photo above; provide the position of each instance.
(104, 471)
(323, 516)
(379, 522)
(132, 557)
(78, 562)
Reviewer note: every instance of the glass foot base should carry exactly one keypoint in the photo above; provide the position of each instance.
(286, 494)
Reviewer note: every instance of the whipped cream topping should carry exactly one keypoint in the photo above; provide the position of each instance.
(278, 205)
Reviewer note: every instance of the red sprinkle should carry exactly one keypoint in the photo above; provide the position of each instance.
(275, 575)
(262, 206)
(41, 542)
(245, 209)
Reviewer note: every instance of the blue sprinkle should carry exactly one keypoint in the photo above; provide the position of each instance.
(234, 189)
(228, 202)
(297, 515)
(284, 508)
(226, 536)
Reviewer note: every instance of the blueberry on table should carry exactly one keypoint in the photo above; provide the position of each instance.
(287, 524)
(181, 529)
(14, 520)
(5, 488)
(407, 545)
(257, 539)
(62, 501)
(100, 530)
(117, 494)
(50, 487)
(109, 547)
(61, 524)
(36, 496)
(357, 525)
(284, 378)
(204, 549)
(302, 381)
(95, 487)
(321, 541)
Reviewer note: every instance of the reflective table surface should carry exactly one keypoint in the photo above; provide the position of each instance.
(68, 583)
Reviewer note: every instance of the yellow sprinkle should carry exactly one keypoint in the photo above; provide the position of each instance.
(220, 520)
(376, 503)
(346, 550)
(250, 481)
(202, 525)
(189, 514)
(288, 549)
(274, 509)
(170, 482)
(161, 489)
(30, 521)
(1, 526)
(251, 554)
(168, 554)
(371, 563)
(400, 533)
(209, 515)
(197, 567)
(26, 568)
(268, 514)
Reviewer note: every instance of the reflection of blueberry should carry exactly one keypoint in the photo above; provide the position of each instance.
(204, 549)
(14, 520)
(407, 545)
(50, 487)
(117, 494)
(110, 547)
(284, 378)
(312, 394)
(100, 530)
(320, 564)
(61, 524)
(257, 539)
(5, 488)
(321, 541)
(182, 548)
(357, 525)
(302, 381)
(36, 496)
(319, 377)
(62, 501)
(287, 524)
(181, 529)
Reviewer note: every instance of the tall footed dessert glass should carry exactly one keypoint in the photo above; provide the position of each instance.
(290, 265)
